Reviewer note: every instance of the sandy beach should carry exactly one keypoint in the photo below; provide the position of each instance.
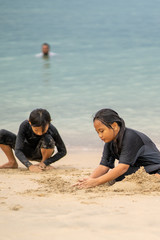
(38, 206)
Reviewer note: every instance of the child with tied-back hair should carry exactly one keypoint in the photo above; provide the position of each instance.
(36, 140)
(133, 149)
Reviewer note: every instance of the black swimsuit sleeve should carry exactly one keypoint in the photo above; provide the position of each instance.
(131, 148)
(107, 158)
(59, 145)
(20, 144)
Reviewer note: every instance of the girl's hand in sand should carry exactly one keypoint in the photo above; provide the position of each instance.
(79, 181)
(86, 183)
(34, 168)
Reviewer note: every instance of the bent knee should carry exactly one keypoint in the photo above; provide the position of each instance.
(3, 132)
(48, 142)
(7, 138)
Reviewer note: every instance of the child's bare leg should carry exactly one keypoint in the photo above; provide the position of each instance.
(12, 163)
(47, 153)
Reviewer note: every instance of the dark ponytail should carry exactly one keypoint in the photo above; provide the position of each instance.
(107, 117)
(40, 118)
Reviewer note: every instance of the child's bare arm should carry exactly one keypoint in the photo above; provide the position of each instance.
(109, 176)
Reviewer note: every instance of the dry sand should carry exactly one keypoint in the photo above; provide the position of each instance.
(36, 206)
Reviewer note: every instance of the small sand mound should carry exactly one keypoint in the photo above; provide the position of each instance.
(142, 177)
(139, 182)
(56, 185)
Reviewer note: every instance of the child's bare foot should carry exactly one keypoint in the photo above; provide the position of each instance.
(9, 165)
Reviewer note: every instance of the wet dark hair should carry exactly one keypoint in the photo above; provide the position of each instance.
(46, 45)
(40, 118)
(107, 117)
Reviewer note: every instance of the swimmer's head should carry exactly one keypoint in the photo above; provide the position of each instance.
(39, 120)
(45, 49)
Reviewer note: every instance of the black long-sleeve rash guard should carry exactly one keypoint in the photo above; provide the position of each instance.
(25, 134)
(137, 150)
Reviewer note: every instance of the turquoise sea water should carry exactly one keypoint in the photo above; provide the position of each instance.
(108, 55)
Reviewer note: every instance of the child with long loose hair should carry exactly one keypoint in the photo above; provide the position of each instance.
(131, 148)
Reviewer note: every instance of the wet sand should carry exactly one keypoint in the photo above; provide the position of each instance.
(45, 205)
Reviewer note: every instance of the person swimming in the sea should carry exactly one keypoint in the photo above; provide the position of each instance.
(36, 140)
(133, 149)
(45, 51)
